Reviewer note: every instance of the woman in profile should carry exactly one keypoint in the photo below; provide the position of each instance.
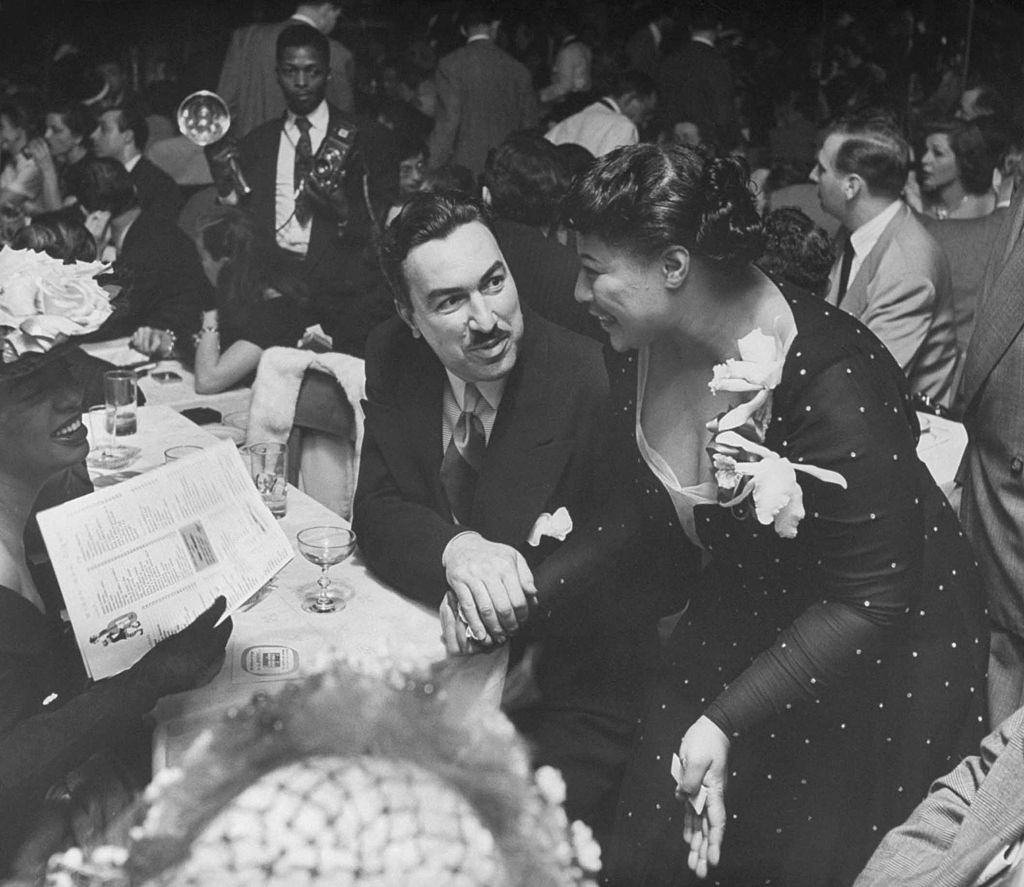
(831, 661)
(255, 309)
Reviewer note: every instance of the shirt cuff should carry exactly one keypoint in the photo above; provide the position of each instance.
(444, 554)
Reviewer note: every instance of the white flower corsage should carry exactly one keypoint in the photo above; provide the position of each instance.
(758, 369)
(43, 301)
(557, 526)
(743, 465)
(777, 495)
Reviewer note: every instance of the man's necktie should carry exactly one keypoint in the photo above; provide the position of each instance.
(461, 464)
(303, 167)
(844, 271)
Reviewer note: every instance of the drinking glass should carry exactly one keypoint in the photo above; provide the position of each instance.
(121, 390)
(325, 547)
(173, 454)
(268, 465)
(104, 454)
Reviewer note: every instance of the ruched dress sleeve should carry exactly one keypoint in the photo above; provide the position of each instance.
(857, 557)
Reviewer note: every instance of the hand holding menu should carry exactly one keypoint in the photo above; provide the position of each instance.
(138, 561)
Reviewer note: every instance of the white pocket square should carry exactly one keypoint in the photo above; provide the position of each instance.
(557, 526)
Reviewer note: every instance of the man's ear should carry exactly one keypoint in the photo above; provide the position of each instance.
(852, 186)
(675, 266)
(485, 195)
(406, 314)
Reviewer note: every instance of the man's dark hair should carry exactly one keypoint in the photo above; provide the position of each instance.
(130, 117)
(301, 35)
(875, 149)
(477, 14)
(990, 101)
(636, 82)
(105, 186)
(426, 216)
(527, 180)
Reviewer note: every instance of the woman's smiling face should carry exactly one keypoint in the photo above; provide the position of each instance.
(625, 293)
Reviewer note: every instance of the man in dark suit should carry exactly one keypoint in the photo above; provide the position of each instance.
(992, 506)
(484, 441)
(323, 239)
(892, 275)
(247, 80)
(483, 94)
(695, 83)
(121, 133)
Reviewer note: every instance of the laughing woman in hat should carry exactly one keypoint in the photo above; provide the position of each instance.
(63, 739)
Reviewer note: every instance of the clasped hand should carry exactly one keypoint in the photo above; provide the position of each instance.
(492, 586)
(704, 754)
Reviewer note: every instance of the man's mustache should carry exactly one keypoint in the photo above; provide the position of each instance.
(479, 338)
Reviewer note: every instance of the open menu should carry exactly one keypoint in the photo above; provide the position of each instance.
(138, 561)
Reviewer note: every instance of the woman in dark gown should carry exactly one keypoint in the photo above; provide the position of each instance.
(827, 668)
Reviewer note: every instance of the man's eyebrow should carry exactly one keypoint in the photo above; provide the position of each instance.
(443, 292)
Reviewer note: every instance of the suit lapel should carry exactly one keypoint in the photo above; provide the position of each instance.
(856, 301)
(527, 451)
(1001, 307)
(421, 407)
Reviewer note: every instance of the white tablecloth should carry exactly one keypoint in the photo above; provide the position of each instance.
(376, 620)
(180, 395)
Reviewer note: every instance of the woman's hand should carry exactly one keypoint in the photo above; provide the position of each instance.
(704, 754)
(153, 342)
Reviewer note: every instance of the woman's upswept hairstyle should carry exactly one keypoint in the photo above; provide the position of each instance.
(648, 197)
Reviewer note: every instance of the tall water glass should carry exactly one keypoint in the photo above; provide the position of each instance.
(268, 464)
(121, 393)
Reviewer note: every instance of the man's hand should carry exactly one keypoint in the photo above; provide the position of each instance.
(493, 585)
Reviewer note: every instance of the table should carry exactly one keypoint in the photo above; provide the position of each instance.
(377, 620)
(180, 395)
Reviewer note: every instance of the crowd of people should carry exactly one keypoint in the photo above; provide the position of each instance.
(759, 632)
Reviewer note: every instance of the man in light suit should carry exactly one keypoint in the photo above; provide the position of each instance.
(892, 275)
(248, 82)
(481, 418)
(334, 260)
(483, 95)
(992, 504)
(968, 830)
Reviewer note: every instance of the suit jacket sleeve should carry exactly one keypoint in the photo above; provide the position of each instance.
(401, 536)
(339, 87)
(900, 313)
(916, 853)
(446, 122)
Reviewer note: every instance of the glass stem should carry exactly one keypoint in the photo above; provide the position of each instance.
(323, 581)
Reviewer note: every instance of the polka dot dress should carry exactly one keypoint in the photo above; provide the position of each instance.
(847, 665)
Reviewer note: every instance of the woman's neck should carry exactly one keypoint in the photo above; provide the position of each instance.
(951, 196)
(719, 310)
(19, 497)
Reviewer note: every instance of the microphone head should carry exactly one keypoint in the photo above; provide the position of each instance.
(203, 118)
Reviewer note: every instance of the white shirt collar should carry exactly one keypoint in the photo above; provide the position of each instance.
(476, 37)
(299, 17)
(704, 40)
(319, 117)
(490, 391)
(131, 164)
(866, 236)
(608, 100)
(655, 33)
